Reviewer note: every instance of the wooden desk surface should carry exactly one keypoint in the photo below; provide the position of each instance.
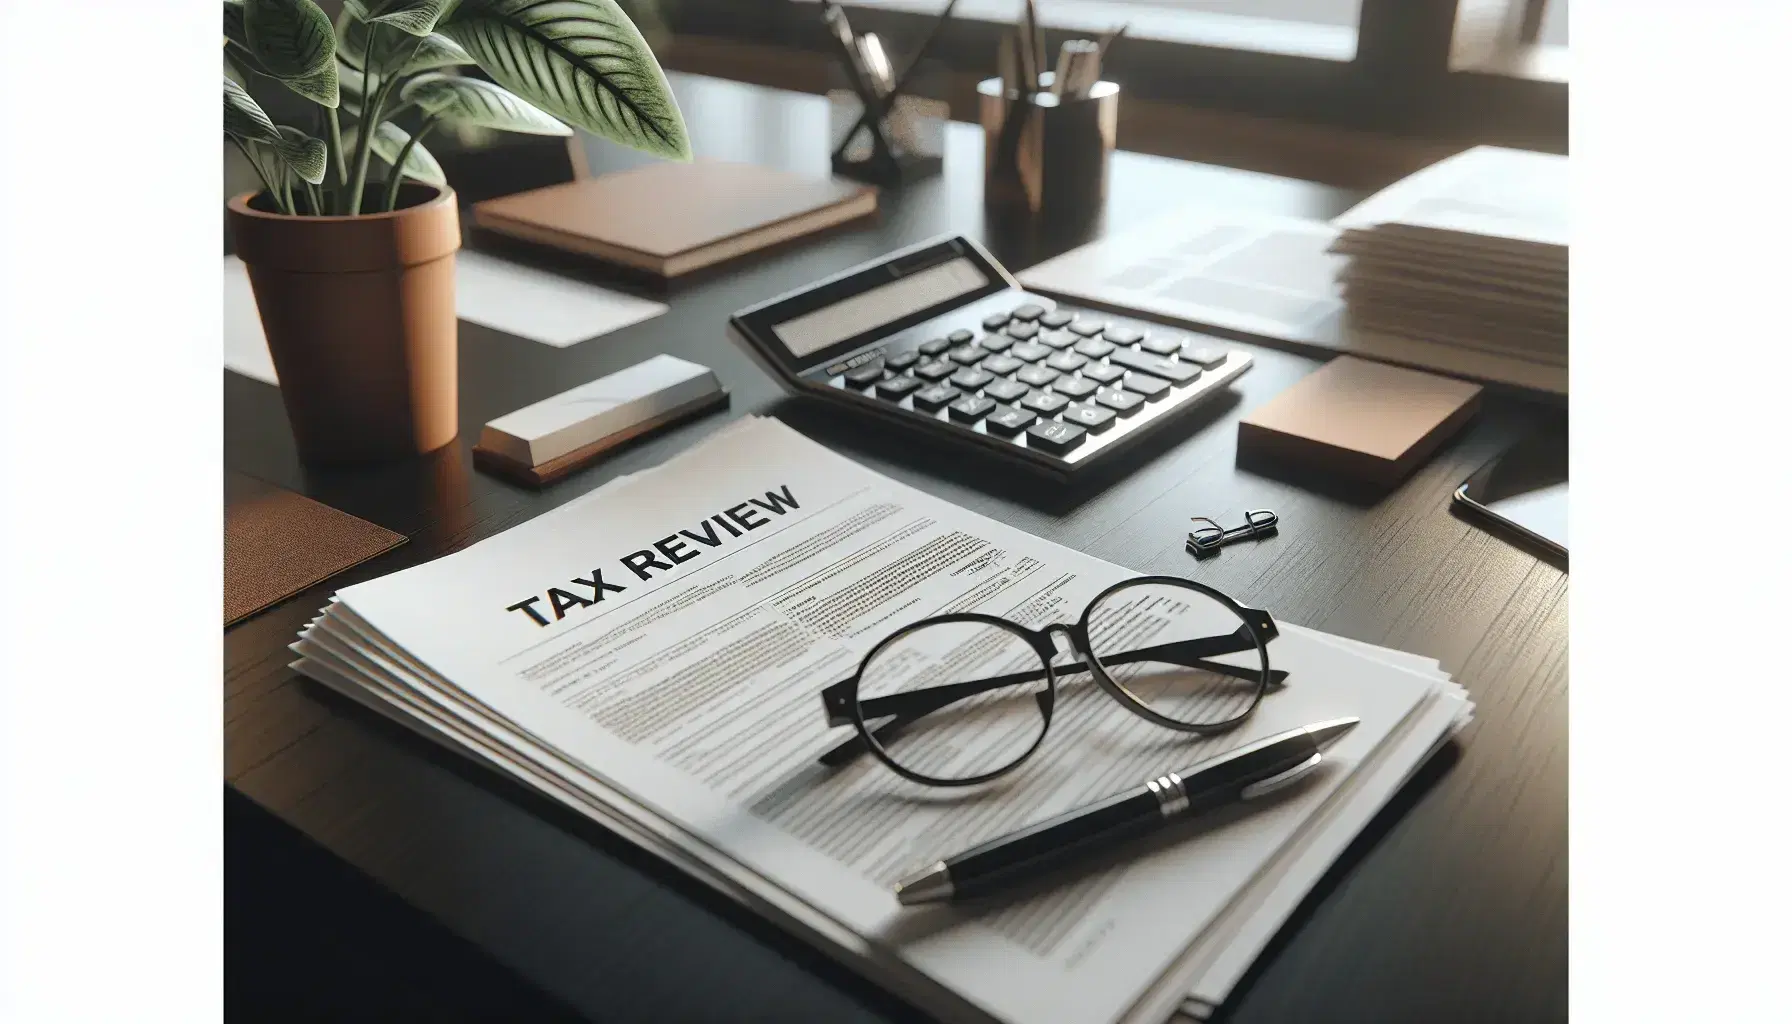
(1451, 907)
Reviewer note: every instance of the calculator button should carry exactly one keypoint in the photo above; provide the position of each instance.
(1105, 373)
(934, 347)
(1005, 390)
(1153, 388)
(1158, 366)
(901, 360)
(1075, 387)
(994, 321)
(1093, 418)
(935, 398)
(970, 378)
(1094, 348)
(897, 388)
(865, 376)
(1028, 312)
(1009, 421)
(1087, 328)
(1122, 335)
(1038, 376)
(1123, 402)
(967, 355)
(1002, 366)
(1052, 436)
(936, 370)
(1206, 355)
(1045, 402)
(1022, 329)
(1065, 362)
(1059, 340)
(960, 337)
(995, 342)
(970, 408)
(1029, 351)
(1161, 344)
(1055, 319)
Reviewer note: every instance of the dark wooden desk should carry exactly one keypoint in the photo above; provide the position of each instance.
(1452, 907)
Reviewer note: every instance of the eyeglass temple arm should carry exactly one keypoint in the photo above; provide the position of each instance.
(908, 707)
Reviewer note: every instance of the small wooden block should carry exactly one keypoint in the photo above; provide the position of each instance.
(1359, 420)
(498, 464)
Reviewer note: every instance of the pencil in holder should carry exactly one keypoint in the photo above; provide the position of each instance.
(1045, 154)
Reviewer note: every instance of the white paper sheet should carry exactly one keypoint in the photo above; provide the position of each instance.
(711, 731)
(1272, 278)
(1488, 192)
(534, 304)
(541, 305)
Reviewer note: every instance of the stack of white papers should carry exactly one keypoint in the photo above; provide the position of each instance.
(651, 655)
(1471, 252)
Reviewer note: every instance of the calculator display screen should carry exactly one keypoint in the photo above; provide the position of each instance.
(886, 303)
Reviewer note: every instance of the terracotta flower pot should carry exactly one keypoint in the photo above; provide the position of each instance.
(359, 317)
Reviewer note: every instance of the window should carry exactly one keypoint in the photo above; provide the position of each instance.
(1470, 71)
(1519, 38)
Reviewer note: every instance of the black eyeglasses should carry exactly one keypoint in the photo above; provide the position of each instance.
(960, 699)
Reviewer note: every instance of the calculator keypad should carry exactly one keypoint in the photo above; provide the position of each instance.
(1009, 421)
(937, 397)
(970, 379)
(936, 371)
(1046, 379)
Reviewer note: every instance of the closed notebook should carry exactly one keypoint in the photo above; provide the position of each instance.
(672, 218)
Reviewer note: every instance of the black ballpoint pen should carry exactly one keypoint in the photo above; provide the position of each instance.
(1235, 776)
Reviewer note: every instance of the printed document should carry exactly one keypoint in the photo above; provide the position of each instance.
(654, 653)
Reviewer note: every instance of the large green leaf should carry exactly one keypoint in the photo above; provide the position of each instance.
(472, 101)
(580, 60)
(236, 40)
(305, 155)
(294, 42)
(244, 120)
(389, 140)
(322, 86)
(291, 38)
(417, 17)
(292, 154)
(395, 52)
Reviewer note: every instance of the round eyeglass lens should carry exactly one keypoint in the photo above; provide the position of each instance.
(955, 701)
(1183, 654)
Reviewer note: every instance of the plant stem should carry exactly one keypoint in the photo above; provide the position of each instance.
(398, 166)
(370, 121)
(339, 158)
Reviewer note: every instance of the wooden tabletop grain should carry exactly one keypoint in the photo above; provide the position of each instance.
(1451, 907)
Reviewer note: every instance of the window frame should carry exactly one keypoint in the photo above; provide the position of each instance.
(1400, 81)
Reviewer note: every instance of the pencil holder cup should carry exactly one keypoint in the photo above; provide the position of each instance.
(1047, 155)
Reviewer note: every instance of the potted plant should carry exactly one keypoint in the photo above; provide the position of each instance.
(353, 274)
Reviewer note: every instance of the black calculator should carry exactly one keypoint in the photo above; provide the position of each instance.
(940, 338)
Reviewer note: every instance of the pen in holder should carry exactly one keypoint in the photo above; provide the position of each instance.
(891, 136)
(1046, 153)
(906, 144)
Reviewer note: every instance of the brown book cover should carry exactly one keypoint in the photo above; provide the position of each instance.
(1360, 420)
(277, 543)
(672, 218)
